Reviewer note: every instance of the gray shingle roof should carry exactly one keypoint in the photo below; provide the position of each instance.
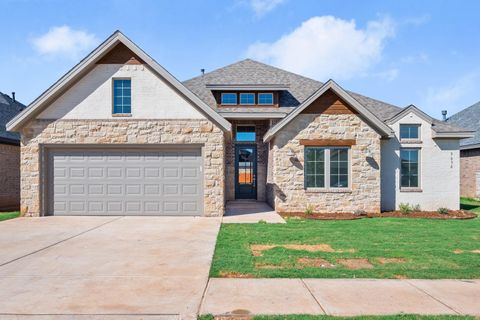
(250, 72)
(8, 110)
(468, 118)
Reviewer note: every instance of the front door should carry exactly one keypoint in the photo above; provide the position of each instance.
(245, 172)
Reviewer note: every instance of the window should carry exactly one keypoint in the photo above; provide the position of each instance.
(245, 133)
(247, 98)
(339, 168)
(265, 98)
(320, 160)
(314, 167)
(409, 166)
(409, 131)
(122, 96)
(229, 98)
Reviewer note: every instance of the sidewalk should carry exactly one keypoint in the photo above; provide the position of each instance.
(341, 297)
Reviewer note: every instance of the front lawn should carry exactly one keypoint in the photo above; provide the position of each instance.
(365, 248)
(9, 215)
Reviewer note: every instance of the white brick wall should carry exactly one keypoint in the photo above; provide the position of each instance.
(439, 170)
(91, 97)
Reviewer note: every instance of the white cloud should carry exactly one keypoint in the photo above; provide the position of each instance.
(453, 96)
(422, 57)
(388, 75)
(418, 20)
(262, 7)
(327, 47)
(64, 41)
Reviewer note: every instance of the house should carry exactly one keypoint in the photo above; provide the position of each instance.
(9, 155)
(469, 150)
(119, 135)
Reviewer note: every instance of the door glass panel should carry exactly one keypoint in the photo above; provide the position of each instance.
(245, 166)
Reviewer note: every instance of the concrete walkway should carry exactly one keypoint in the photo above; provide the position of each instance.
(105, 267)
(341, 297)
(250, 211)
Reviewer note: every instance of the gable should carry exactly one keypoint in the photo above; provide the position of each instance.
(120, 54)
(91, 97)
(329, 103)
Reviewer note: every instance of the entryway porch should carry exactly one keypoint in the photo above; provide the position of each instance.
(250, 211)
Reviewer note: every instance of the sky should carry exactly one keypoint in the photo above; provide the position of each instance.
(402, 52)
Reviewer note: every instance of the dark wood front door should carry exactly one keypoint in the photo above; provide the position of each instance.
(245, 171)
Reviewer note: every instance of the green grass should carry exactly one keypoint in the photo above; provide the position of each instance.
(9, 215)
(426, 245)
(470, 204)
(310, 317)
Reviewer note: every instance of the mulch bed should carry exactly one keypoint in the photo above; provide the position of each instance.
(452, 214)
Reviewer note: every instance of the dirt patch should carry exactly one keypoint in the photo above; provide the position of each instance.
(452, 214)
(457, 251)
(391, 260)
(475, 251)
(400, 276)
(315, 263)
(355, 263)
(257, 249)
(225, 274)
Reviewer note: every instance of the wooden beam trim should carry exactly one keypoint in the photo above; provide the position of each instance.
(328, 142)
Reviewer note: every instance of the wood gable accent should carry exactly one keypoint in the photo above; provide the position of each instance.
(329, 103)
(328, 142)
(120, 54)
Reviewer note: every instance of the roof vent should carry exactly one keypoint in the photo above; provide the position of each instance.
(444, 115)
(13, 96)
(202, 71)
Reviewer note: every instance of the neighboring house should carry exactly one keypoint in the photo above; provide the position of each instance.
(469, 150)
(119, 135)
(9, 155)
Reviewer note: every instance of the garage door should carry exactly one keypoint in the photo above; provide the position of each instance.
(125, 182)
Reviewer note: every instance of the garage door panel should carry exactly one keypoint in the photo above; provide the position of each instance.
(124, 182)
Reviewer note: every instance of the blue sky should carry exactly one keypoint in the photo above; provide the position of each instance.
(403, 52)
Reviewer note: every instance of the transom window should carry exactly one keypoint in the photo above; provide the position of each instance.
(265, 98)
(409, 131)
(409, 168)
(245, 133)
(247, 98)
(229, 98)
(319, 161)
(122, 96)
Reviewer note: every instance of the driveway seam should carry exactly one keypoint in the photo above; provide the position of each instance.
(202, 300)
(313, 296)
(434, 298)
(58, 242)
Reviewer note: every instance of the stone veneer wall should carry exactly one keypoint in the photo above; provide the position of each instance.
(122, 132)
(9, 177)
(469, 167)
(261, 127)
(288, 173)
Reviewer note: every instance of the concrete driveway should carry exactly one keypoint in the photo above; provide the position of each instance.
(125, 267)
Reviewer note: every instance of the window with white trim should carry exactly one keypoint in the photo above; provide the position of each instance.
(247, 98)
(409, 132)
(409, 167)
(229, 98)
(327, 167)
(122, 96)
(265, 98)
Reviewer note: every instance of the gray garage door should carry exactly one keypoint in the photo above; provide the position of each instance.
(125, 182)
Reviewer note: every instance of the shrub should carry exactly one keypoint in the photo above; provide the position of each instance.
(443, 210)
(405, 208)
(416, 208)
(309, 210)
(261, 221)
(359, 213)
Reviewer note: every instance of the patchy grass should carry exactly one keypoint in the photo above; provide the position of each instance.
(9, 215)
(470, 204)
(395, 247)
(321, 317)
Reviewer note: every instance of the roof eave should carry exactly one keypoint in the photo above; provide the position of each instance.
(452, 134)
